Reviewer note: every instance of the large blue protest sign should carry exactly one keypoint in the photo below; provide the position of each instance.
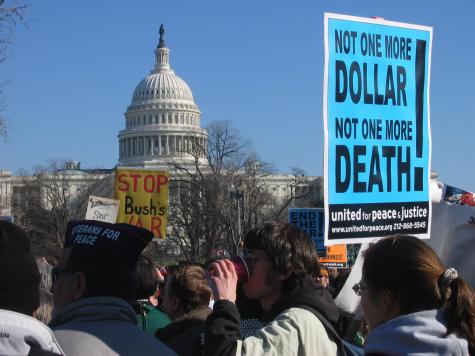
(377, 130)
(311, 221)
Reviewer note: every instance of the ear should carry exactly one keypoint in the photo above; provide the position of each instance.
(389, 305)
(153, 300)
(79, 284)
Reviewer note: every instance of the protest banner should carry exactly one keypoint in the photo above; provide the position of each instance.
(311, 221)
(336, 257)
(377, 130)
(102, 209)
(143, 196)
(453, 229)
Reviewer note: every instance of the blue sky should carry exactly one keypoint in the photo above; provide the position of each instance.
(258, 64)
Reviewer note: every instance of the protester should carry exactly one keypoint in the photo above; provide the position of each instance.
(148, 317)
(45, 310)
(156, 298)
(93, 284)
(45, 273)
(20, 334)
(185, 300)
(339, 281)
(281, 259)
(412, 303)
(323, 278)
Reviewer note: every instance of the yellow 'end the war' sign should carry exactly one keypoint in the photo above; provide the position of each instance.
(143, 196)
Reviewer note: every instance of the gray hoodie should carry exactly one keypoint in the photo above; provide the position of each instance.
(415, 334)
(20, 334)
(103, 326)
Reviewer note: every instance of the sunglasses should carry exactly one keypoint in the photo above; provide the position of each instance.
(56, 272)
(358, 287)
(251, 258)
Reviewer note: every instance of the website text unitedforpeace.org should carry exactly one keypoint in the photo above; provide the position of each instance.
(380, 214)
(385, 227)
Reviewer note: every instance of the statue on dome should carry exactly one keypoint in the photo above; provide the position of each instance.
(161, 44)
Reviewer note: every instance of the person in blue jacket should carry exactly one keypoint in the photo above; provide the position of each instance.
(412, 303)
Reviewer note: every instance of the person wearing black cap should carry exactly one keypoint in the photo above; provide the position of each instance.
(20, 334)
(93, 286)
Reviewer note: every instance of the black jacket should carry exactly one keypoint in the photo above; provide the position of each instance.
(186, 335)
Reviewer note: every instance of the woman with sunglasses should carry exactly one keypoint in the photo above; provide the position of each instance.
(412, 303)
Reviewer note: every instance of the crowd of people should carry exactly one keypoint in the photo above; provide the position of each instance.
(104, 297)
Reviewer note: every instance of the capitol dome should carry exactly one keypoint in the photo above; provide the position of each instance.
(163, 85)
(162, 122)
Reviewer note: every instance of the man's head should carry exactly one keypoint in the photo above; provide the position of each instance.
(322, 278)
(186, 290)
(146, 277)
(98, 259)
(19, 276)
(278, 255)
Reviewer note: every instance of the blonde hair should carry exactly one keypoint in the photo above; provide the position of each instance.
(43, 313)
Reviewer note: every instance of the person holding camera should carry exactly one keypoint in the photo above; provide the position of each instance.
(280, 258)
(149, 318)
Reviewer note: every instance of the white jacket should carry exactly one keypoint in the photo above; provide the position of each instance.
(295, 331)
(19, 333)
(292, 327)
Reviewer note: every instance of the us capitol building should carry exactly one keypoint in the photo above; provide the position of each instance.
(163, 122)
(162, 130)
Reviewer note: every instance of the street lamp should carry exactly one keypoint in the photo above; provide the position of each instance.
(237, 195)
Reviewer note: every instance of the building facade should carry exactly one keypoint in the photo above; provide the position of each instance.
(6, 192)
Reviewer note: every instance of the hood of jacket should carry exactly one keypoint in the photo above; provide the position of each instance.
(94, 309)
(21, 334)
(306, 292)
(417, 333)
(186, 322)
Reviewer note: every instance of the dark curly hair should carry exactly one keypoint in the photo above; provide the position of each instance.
(288, 247)
(146, 277)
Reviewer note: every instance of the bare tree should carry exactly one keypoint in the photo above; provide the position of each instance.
(218, 197)
(302, 193)
(11, 14)
(47, 199)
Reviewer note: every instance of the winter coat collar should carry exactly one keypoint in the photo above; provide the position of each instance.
(306, 292)
(94, 309)
(185, 322)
